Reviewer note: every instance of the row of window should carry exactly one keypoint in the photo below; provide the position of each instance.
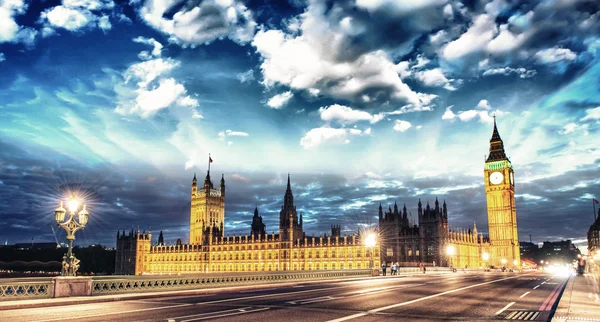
(168, 268)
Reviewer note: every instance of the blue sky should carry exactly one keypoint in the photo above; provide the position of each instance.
(361, 101)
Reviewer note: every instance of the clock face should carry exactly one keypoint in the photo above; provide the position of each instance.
(512, 178)
(496, 177)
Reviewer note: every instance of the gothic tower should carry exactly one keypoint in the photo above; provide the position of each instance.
(207, 213)
(500, 195)
(290, 225)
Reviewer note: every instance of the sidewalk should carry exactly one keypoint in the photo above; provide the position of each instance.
(580, 300)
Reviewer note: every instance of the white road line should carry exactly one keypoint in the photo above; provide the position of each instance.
(357, 315)
(224, 315)
(113, 313)
(208, 313)
(537, 286)
(506, 307)
(522, 296)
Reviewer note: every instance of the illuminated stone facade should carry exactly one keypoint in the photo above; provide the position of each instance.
(432, 242)
(211, 251)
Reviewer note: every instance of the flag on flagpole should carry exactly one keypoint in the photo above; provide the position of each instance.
(210, 161)
(596, 201)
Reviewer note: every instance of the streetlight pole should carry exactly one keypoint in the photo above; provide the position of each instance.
(70, 264)
(370, 241)
(450, 253)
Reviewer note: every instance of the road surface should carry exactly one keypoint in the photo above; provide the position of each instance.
(431, 297)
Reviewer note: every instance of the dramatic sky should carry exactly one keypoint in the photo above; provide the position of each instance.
(362, 101)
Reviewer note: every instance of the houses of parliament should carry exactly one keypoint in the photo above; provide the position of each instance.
(431, 241)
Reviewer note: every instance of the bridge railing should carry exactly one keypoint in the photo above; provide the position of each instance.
(154, 283)
(22, 289)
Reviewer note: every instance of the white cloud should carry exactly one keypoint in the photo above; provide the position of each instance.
(2, 57)
(148, 71)
(344, 114)
(104, 23)
(10, 31)
(522, 72)
(435, 77)
(309, 61)
(506, 41)
(574, 127)
(398, 6)
(188, 101)
(279, 100)
(232, 133)
(246, 77)
(468, 115)
(67, 18)
(554, 55)
(402, 126)
(74, 15)
(156, 46)
(202, 23)
(481, 32)
(484, 105)
(592, 114)
(321, 135)
(148, 102)
(238, 177)
(448, 114)
(154, 91)
(196, 115)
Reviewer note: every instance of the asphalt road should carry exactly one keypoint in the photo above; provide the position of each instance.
(430, 297)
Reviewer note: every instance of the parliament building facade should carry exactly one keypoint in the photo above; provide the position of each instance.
(210, 250)
(431, 241)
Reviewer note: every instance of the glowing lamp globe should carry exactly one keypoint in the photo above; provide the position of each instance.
(83, 216)
(59, 213)
(450, 250)
(485, 256)
(370, 240)
(73, 205)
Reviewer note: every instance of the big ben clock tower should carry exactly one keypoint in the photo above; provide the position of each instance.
(502, 214)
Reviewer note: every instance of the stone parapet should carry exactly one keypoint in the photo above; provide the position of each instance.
(72, 286)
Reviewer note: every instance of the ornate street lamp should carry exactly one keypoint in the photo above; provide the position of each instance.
(370, 241)
(450, 253)
(70, 264)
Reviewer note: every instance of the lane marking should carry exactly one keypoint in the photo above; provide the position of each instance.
(506, 307)
(536, 287)
(357, 315)
(113, 313)
(203, 314)
(225, 315)
(522, 296)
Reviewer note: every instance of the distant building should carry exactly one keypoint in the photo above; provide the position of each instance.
(593, 237)
(49, 245)
(211, 251)
(429, 241)
(529, 250)
(563, 251)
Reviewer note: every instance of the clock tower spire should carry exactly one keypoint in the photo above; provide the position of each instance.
(500, 197)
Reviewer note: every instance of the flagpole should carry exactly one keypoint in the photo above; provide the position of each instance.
(209, 164)
(594, 204)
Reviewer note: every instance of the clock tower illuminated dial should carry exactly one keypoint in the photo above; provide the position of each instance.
(496, 177)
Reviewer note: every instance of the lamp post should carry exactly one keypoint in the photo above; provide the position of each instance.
(70, 264)
(485, 257)
(450, 253)
(370, 241)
